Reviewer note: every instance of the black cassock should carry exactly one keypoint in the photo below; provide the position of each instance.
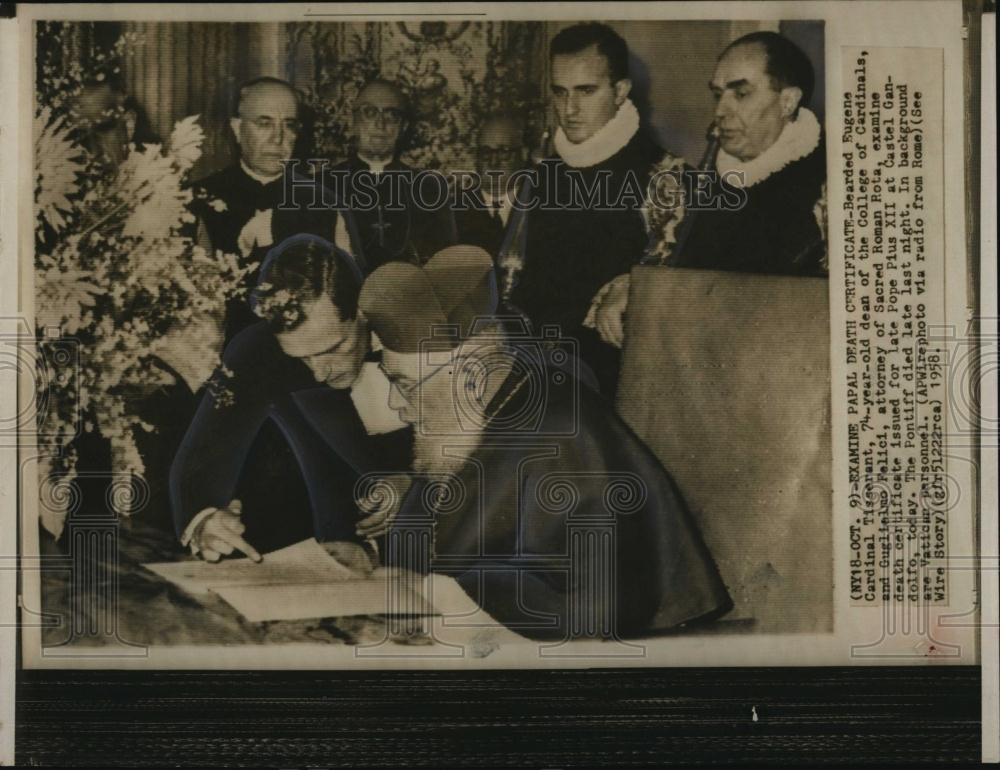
(775, 230)
(563, 523)
(308, 209)
(311, 492)
(479, 225)
(572, 250)
(388, 224)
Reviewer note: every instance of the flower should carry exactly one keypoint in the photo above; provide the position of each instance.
(152, 186)
(185, 142)
(58, 164)
(256, 232)
(117, 272)
(62, 298)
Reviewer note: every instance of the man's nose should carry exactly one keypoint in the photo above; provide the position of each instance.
(396, 399)
(572, 105)
(724, 107)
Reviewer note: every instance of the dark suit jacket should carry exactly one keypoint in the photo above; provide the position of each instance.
(476, 225)
(243, 197)
(325, 445)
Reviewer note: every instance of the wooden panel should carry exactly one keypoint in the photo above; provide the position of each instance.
(726, 376)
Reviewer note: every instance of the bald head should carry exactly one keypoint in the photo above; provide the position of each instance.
(382, 92)
(266, 124)
(379, 117)
(501, 130)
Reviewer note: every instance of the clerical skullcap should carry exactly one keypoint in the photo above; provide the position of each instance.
(436, 304)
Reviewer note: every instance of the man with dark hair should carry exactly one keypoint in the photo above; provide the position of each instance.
(588, 227)
(771, 158)
(786, 64)
(605, 41)
(304, 367)
(266, 124)
(384, 194)
(771, 146)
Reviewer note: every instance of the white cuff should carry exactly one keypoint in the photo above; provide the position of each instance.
(624, 280)
(192, 529)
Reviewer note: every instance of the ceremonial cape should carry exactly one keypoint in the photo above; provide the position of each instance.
(560, 497)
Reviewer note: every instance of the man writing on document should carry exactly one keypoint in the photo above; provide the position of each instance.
(307, 368)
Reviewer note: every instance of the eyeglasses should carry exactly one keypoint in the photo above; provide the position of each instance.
(270, 125)
(391, 116)
(407, 390)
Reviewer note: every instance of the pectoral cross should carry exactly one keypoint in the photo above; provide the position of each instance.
(380, 227)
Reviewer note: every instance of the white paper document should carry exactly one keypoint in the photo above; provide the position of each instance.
(369, 596)
(299, 582)
(302, 563)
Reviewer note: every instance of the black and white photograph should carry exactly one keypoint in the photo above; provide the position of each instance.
(593, 383)
(489, 342)
(367, 324)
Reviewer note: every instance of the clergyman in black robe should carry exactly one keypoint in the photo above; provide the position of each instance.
(398, 212)
(587, 226)
(531, 492)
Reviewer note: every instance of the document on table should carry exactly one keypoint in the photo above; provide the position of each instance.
(298, 582)
(375, 595)
(304, 562)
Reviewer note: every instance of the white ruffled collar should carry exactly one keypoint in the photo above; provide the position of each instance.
(608, 140)
(797, 139)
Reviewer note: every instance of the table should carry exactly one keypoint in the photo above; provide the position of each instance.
(78, 590)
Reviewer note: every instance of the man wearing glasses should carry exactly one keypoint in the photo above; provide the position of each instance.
(521, 460)
(493, 223)
(399, 213)
(238, 207)
(305, 370)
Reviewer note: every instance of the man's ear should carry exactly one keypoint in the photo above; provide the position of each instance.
(234, 124)
(791, 98)
(622, 89)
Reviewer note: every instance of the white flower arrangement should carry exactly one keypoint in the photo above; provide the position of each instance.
(281, 305)
(116, 269)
